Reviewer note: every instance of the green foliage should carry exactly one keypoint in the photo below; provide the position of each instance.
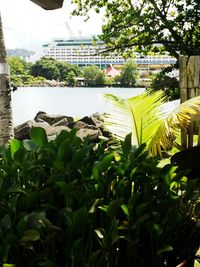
(52, 69)
(129, 74)
(69, 202)
(18, 66)
(145, 25)
(66, 68)
(109, 80)
(169, 85)
(20, 70)
(27, 80)
(46, 68)
(71, 79)
(93, 76)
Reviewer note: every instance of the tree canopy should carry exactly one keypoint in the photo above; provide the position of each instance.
(18, 66)
(129, 74)
(148, 25)
(50, 68)
(93, 76)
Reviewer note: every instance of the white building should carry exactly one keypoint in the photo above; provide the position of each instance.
(82, 51)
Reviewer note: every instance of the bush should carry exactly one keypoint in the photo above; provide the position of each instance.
(68, 202)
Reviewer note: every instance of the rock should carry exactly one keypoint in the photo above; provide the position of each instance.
(98, 120)
(55, 130)
(82, 125)
(52, 119)
(62, 122)
(87, 120)
(88, 127)
(22, 131)
(91, 134)
(95, 119)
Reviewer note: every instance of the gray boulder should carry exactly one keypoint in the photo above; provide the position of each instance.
(91, 134)
(22, 131)
(52, 119)
(88, 127)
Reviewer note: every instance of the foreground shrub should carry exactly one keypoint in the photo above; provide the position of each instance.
(72, 203)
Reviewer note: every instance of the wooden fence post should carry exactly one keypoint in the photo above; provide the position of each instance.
(189, 84)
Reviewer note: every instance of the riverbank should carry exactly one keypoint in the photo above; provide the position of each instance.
(52, 83)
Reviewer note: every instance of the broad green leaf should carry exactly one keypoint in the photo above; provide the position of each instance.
(29, 145)
(113, 207)
(106, 162)
(126, 145)
(34, 219)
(104, 208)
(164, 249)
(39, 137)
(100, 233)
(15, 145)
(16, 189)
(65, 151)
(125, 209)
(96, 172)
(80, 218)
(62, 137)
(30, 235)
(78, 157)
(94, 204)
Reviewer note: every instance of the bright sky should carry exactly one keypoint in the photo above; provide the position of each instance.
(28, 26)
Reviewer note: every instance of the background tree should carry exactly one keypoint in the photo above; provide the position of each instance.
(65, 68)
(71, 79)
(46, 67)
(93, 76)
(129, 74)
(52, 69)
(149, 25)
(18, 66)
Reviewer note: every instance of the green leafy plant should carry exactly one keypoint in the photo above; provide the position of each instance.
(68, 202)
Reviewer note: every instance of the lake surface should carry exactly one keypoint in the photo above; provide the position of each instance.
(76, 102)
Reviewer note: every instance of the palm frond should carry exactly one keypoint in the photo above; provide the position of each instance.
(139, 115)
(117, 119)
(179, 117)
(150, 120)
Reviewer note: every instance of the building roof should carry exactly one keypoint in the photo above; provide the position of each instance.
(111, 71)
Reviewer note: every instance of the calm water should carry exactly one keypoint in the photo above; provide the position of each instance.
(79, 102)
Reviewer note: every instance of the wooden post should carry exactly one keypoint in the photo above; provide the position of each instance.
(189, 84)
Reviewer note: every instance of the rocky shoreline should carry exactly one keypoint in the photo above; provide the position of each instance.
(89, 126)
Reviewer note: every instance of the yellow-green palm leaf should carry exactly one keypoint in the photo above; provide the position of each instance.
(149, 118)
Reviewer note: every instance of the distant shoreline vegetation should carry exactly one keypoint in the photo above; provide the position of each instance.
(50, 72)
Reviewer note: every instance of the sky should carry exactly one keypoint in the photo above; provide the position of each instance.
(28, 26)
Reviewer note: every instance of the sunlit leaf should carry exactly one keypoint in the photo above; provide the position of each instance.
(38, 135)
